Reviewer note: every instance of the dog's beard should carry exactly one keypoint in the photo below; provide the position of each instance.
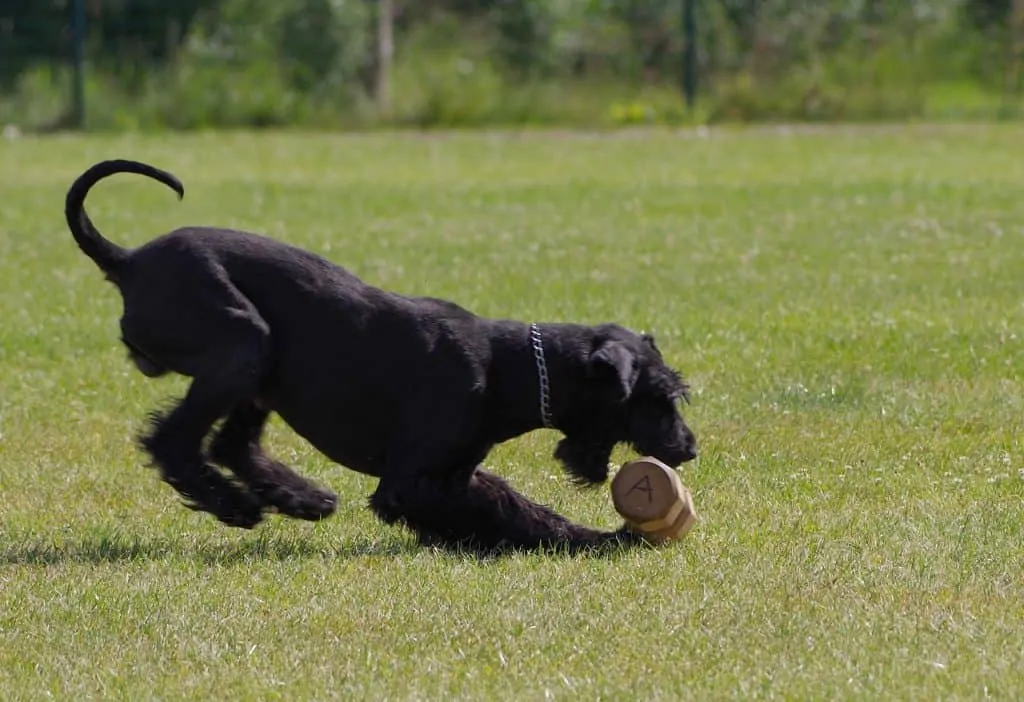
(586, 462)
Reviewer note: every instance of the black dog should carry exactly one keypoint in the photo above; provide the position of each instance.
(414, 391)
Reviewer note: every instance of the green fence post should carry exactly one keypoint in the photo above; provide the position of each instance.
(689, 52)
(78, 63)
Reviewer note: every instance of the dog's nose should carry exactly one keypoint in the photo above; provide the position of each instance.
(689, 450)
(677, 456)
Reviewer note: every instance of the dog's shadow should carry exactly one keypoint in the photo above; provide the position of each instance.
(104, 548)
(96, 549)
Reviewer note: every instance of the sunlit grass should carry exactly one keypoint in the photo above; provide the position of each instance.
(848, 305)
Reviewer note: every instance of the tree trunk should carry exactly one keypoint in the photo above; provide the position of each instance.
(385, 54)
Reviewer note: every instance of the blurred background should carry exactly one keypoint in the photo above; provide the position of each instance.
(340, 64)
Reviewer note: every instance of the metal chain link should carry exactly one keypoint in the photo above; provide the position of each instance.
(542, 372)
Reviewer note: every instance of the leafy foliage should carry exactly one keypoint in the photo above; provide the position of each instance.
(791, 59)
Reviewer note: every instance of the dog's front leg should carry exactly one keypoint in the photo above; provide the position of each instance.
(395, 489)
(485, 512)
(411, 464)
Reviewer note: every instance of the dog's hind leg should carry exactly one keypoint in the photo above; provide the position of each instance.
(486, 513)
(236, 446)
(207, 330)
(174, 443)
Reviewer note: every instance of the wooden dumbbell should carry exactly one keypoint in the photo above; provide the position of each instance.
(651, 498)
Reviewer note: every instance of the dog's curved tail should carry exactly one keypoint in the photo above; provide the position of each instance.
(107, 255)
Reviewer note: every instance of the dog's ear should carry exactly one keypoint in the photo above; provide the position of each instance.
(613, 362)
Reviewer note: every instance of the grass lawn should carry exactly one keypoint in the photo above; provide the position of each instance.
(848, 305)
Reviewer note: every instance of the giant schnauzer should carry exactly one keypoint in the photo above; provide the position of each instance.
(412, 390)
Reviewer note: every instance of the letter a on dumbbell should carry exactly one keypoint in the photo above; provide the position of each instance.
(643, 485)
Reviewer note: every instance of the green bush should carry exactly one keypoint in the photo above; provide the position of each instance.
(250, 63)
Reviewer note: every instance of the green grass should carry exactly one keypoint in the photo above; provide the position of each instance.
(847, 303)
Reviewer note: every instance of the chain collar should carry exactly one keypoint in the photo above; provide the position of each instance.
(542, 373)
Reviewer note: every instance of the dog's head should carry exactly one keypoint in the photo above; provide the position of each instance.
(628, 395)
